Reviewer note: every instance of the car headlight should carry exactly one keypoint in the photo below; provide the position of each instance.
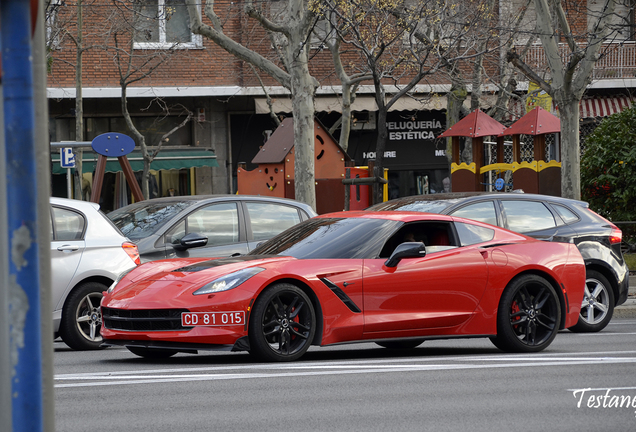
(229, 281)
(119, 278)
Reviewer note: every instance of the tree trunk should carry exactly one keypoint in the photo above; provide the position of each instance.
(303, 111)
(380, 147)
(345, 122)
(79, 105)
(140, 139)
(570, 150)
(454, 103)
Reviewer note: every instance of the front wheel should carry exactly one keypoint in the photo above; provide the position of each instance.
(282, 324)
(598, 304)
(529, 315)
(82, 317)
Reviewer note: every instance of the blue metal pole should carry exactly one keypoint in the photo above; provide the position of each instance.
(24, 301)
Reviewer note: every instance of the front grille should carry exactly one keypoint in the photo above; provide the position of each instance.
(142, 320)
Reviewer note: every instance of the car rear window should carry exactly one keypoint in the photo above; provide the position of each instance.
(481, 211)
(473, 234)
(269, 219)
(67, 224)
(527, 216)
(566, 214)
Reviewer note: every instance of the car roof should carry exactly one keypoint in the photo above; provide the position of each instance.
(226, 197)
(73, 203)
(456, 197)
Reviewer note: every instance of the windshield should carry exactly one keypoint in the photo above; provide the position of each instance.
(332, 238)
(137, 221)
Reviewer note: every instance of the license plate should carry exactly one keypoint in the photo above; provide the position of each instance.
(191, 319)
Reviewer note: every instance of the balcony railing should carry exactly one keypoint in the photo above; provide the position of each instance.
(617, 60)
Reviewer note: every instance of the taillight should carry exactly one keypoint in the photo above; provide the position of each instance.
(131, 250)
(616, 236)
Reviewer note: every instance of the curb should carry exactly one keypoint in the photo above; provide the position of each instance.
(626, 310)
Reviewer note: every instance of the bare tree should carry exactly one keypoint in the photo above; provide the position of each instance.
(65, 21)
(138, 65)
(570, 70)
(291, 36)
(401, 43)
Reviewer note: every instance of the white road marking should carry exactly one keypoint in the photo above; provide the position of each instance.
(336, 368)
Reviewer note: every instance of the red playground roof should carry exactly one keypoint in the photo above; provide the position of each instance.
(475, 124)
(536, 122)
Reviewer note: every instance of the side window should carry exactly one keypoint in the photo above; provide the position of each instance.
(436, 236)
(218, 222)
(566, 214)
(473, 234)
(269, 219)
(481, 211)
(68, 225)
(527, 216)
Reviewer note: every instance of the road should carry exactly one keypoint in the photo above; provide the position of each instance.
(577, 384)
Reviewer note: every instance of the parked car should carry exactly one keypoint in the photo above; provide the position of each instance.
(547, 218)
(353, 277)
(206, 226)
(88, 253)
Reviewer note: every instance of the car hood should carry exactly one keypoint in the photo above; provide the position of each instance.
(173, 278)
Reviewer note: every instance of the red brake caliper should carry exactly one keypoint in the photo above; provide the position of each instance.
(514, 309)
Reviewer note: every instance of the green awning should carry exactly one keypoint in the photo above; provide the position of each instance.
(167, 159)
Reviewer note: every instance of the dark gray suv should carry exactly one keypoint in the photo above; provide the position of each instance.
(552, 219)
(205, 226)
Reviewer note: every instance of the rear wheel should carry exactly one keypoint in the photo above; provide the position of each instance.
(529, 315)
(598, 304)
(82, 318)
(282, 324)
(152, 353)
(409, 344)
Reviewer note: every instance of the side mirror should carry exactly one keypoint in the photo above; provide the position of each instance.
(191, 240)
(406, 250)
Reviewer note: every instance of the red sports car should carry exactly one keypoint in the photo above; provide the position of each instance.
(394, 278)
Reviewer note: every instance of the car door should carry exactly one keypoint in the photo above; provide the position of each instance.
(67, 246)
(442, 289)
(222, 223)
(535, 219)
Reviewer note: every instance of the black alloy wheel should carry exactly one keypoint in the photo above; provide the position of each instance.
(598, 304)
(82, 318)
(282, 324)
(529, 315)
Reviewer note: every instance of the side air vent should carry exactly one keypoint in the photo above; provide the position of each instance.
(341, 295)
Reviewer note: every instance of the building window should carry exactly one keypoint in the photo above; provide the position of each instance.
(164, 24)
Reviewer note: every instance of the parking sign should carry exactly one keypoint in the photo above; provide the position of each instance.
(67, 157)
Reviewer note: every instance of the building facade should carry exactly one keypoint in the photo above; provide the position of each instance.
(168, 71)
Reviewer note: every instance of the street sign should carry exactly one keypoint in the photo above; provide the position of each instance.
(67, 157)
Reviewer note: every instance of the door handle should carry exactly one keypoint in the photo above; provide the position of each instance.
(70, 248)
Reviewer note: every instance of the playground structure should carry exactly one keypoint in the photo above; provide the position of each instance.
(274, 175)
(534, 176)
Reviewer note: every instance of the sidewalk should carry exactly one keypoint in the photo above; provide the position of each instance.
(628, 309)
